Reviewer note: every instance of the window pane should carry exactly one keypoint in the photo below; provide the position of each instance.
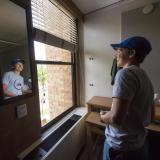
(55, 90)
(51, 53)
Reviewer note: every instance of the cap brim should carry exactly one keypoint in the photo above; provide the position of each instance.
(115, 46)
(17, 61)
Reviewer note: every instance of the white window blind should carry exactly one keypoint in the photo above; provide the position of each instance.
(51, 17)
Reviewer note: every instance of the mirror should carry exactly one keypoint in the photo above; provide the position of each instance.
(15, 53)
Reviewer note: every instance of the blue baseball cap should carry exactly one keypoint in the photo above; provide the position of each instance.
(15, 61)
(140, 44)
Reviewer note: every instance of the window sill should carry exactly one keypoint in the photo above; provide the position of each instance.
(81, 111)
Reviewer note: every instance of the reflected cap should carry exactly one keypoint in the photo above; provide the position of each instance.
(15, 61)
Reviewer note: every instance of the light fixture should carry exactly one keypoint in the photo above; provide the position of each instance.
(148, 8)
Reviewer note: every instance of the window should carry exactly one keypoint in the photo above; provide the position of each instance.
(55, 45)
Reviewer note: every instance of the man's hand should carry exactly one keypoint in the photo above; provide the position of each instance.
(6, 92)
(102, 112)
(102, 115)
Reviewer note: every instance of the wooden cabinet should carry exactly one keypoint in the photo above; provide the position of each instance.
(95, 128)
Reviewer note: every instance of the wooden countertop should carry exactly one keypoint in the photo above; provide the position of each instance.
(94, 119)
(106, 103)
(157, 112)
(100, 102)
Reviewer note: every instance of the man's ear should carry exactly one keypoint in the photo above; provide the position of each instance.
(132, 53)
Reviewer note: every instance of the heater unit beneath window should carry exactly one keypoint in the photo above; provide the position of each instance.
(40, 151)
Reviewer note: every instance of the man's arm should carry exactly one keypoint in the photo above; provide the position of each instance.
(6, 92)
(117, 113)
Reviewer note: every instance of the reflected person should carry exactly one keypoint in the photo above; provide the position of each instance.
(13, 82)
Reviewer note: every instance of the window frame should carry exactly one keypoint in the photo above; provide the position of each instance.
(63, 45)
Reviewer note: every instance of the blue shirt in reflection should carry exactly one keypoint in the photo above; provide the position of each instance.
(14, 82)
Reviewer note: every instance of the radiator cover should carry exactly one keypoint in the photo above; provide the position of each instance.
(68, 148)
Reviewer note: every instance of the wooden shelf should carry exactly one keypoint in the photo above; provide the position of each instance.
(104, 103)
(157, 112)
(154, 127)
(94, 125)
(94, 119)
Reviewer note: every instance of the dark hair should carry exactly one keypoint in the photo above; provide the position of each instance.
(138, 56)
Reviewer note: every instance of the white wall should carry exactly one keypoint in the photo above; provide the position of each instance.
(100, 29)
(134, 23)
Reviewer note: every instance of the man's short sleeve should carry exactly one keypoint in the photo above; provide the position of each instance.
(125, 85)
(6, 78)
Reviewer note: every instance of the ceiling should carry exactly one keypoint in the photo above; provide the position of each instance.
(89, 6)
(13, 18)
(12, 26)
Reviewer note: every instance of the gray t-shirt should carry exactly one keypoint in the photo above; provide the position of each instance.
(14, 82)
(131, 84)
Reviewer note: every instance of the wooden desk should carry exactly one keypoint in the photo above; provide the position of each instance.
(157, 112)
(94, 119)
(106, 103)
(94, 125)
(99, 102)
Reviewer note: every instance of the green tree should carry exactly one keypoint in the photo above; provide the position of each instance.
(42, 75)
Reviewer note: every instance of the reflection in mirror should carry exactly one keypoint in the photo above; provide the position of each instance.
(14, 53)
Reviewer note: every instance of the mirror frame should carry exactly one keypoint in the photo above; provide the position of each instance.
(30, 35)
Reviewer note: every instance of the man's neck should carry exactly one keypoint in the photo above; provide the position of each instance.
(16, 72)
(130, 64)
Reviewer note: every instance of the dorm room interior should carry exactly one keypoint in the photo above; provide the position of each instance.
(65, 60)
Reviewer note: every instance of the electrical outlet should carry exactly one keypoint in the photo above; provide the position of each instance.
(21, 111)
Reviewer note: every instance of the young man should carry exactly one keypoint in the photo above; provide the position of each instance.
(132, 104)
(12, 81)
